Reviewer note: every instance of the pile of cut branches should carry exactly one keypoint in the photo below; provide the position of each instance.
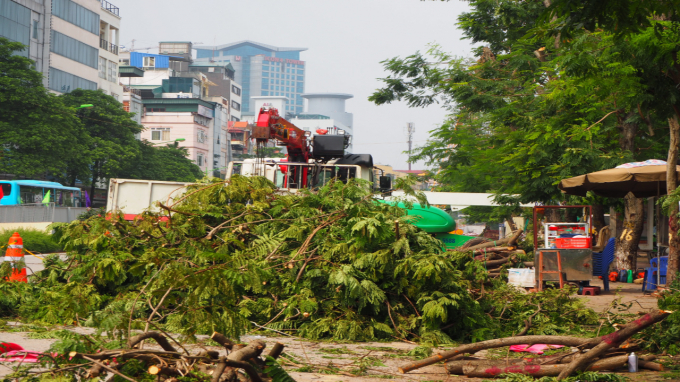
(495, 254)
(133, 362)
(235, 256)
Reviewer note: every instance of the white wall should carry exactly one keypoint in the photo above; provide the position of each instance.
(276, 102)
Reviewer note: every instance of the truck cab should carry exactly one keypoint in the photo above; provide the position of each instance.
(291, 176)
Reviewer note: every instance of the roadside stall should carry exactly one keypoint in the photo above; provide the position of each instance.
(642, 179)
(565, 253)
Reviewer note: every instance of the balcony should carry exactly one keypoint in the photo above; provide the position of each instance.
(127, 89)
(110, 7)
(108, 46)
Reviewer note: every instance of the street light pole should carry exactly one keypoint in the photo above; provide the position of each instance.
(410, 128)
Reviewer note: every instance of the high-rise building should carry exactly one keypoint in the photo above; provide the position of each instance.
(262, 70)
(73, 42)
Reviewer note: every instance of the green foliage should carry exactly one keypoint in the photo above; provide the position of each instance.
(530, 110)
(168, 163)
(666, 335)
(326, 264)
(276, 372)
(52, 135)
(109, 137)
(41, 131)
(552, 312)
(355, 279)
(35, 240)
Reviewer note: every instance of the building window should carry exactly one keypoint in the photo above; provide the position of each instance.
(236, 90)
(201, 136)
(235, 119)
(102, 67)
(68, 47)
(65, 82)
(155, 109)
(235, 105)
(35, 29)
(200, 159)
(265, 93)
(160, 133)
(149, 62)
(113, 72)
(76, 14)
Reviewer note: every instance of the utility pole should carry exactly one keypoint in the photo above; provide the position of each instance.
(410, 129)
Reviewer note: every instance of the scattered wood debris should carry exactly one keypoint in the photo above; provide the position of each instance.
(595, 354)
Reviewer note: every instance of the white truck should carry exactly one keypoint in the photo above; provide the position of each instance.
(133, 196)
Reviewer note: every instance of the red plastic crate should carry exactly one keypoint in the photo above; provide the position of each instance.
(572, 242)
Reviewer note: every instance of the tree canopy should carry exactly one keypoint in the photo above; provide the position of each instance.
(529, 109)
(50, 136)
(38, 132)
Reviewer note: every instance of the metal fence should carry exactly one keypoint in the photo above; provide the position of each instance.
(39, 212)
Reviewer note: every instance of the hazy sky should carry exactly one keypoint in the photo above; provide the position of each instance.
(346, 40)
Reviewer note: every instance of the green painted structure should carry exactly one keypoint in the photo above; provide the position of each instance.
(435, 222)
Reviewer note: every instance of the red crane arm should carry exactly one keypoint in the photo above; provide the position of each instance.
(270, 125)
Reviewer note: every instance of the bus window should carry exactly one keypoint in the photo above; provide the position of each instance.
(63, 198)
(30, 195)
(6, 188)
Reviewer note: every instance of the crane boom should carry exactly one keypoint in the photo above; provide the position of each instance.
(270, 125)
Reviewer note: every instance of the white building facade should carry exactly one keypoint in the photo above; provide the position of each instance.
(326, 111)
(63, 37)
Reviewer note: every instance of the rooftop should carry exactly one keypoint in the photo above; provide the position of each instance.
(327, 95)
(252, 43)
(208, 64)
(311, 116)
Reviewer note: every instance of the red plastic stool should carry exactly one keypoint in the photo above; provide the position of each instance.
(591, 291)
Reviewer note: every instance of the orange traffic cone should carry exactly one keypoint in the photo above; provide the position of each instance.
(15, 254)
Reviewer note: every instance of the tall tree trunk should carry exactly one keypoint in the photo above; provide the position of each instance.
(511, 222)
(628, 239)
(628, 236)
(671, 185)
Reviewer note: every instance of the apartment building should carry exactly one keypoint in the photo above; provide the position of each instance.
(178, 104)
(64, 39)
(109, 38)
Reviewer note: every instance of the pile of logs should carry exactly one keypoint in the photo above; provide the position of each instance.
(170, 364)
(496, 253)
(609, 352)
